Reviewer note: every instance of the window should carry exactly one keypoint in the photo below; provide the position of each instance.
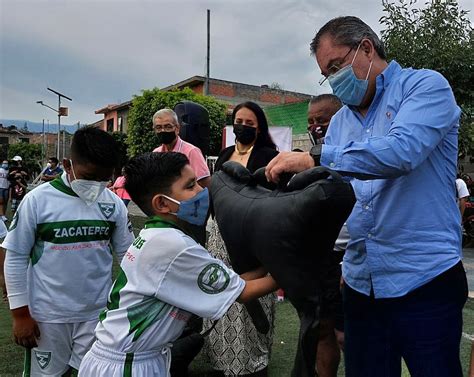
(110, 125)
(120, 124)
(24, 140)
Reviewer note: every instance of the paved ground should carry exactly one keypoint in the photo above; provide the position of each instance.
(468, 258)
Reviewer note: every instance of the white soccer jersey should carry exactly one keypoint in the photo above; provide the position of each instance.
(165, 275)
(70, 245)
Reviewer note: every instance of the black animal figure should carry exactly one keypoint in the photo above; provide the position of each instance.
(288, 229)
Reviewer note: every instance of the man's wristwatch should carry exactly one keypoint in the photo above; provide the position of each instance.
(315, 153)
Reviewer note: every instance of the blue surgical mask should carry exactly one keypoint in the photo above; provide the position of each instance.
(4, 166)
(347, 86)
(194, 210)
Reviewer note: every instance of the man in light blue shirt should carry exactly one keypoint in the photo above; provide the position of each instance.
(397, 138)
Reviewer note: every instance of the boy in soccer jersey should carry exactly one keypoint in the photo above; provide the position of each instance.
(165, 275)
(59, 256)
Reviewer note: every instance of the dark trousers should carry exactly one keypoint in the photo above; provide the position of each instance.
(423, 327)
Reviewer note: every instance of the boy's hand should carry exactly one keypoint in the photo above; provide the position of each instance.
(25, 328)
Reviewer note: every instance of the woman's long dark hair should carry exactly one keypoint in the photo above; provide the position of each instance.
(263, 137)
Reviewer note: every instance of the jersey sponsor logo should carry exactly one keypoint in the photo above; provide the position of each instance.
(107, 209)
(75, 231)
(43, 358)
(213, 279)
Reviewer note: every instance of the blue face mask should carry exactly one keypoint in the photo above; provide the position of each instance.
(347, 86)
(5, 166)
(194, 210)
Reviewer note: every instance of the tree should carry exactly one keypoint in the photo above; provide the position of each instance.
(276, 85)
(141, 137)
(30, 154)
(439, 37)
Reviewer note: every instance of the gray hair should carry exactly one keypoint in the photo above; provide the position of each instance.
(348, 31)
(165, 112)
(334, 100)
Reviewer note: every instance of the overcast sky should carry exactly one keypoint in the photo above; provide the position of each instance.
(105, 51)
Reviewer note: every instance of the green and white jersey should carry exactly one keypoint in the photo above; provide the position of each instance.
(70, 247)
(165, 276)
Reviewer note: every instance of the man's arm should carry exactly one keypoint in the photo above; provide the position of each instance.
(427, 114)
(462, 206)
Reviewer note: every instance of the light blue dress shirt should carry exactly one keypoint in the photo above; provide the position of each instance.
(405, 227)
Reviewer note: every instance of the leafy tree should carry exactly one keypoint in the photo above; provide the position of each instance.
(438, 36)
(30, 154)
(141, 137)
(276, 85)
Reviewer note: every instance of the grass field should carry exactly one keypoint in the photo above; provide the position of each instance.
(286, 332)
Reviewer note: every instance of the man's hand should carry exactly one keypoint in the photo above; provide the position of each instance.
(288, 162)
(25, 328)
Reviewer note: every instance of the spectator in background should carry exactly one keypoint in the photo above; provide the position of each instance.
(234, 346)
(4, 189)
(166, 127)
(18, 191)
(462, 194)
(17, 167)
(119, 188)
(320, 111)
(331, 325)
(52, 170)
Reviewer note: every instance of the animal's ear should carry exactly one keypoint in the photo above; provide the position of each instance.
(304, 179)
(260, 179)
(237, 171)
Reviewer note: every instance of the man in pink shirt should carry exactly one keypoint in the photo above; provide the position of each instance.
(166, 126)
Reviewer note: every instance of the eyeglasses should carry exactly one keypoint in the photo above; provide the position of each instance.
(165, 127)
(334, 68)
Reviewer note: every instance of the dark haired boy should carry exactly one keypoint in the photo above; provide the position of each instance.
(58, 262)
(52, 170)
(165, 275)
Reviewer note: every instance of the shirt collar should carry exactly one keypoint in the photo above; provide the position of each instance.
(383, 80)
(157, 222)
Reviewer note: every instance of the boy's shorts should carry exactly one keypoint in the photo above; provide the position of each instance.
(60, 346)
(4, 194)
(102, 361)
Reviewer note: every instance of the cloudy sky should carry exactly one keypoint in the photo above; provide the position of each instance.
(105, 51)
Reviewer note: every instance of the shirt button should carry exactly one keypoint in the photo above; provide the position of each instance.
(332, 164)
(367, 207)
(369, 235)
(368, 130)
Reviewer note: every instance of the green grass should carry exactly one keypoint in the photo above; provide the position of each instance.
(283, 352)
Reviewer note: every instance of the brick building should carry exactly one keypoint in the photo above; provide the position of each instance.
(229, 92)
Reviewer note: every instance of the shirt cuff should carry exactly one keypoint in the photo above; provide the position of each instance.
(18, 300)
(331, 157)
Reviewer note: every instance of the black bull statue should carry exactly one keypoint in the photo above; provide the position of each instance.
(288, 230)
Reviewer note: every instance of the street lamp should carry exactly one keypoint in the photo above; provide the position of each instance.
(61, 111)
(59, 129)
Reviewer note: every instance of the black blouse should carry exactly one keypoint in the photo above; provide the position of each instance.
(258, 158)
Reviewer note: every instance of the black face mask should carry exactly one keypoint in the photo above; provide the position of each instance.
(166, 137)
(245, 134)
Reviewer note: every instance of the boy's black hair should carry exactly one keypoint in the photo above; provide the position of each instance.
(152, 173)
(92, 145)
(54, 160)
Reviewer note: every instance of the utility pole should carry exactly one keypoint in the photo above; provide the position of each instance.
(208, 58)
(62, 111)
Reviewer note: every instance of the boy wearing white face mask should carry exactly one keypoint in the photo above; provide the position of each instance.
(58, 262)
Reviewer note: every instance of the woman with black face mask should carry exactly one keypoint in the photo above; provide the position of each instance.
(234, 346)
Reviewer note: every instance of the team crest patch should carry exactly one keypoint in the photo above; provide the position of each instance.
(43, 358)
(107, 209)
(213, 279)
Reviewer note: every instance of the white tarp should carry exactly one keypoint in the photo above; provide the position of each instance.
(282, 136)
